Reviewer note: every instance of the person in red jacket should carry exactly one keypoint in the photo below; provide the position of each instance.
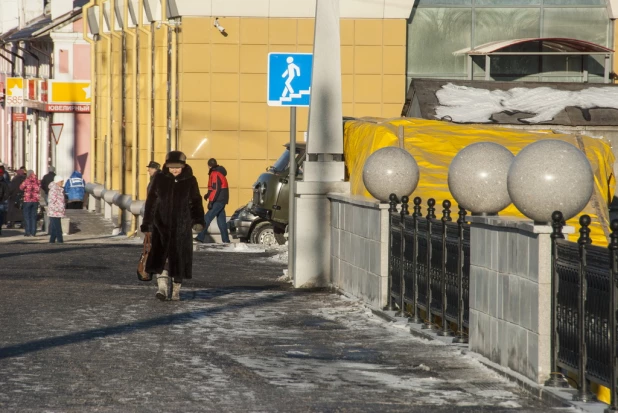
(218, 196)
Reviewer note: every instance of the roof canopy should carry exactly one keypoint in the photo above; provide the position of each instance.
(40, 26)
(547, 45)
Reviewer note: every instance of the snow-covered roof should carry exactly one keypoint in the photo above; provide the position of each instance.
(513, 103)
(547, 44)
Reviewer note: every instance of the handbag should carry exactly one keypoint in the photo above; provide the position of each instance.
(142, 274)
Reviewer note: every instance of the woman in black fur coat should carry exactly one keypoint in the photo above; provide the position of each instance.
(173, 207)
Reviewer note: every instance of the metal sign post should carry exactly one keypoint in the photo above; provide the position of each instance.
(292, 180)
(289, 84)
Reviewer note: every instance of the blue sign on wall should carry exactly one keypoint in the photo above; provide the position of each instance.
(289, 79)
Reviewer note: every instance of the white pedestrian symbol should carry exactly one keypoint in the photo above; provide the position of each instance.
(291, 72)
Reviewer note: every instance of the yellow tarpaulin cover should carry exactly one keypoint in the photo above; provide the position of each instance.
(435, 143)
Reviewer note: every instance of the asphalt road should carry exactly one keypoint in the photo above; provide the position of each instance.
(79, 333)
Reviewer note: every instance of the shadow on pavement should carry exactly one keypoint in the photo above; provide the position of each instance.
(55, 249)
(82, 336)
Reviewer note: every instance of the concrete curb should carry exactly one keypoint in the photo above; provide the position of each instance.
(561, 398)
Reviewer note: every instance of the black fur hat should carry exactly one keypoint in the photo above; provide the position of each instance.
(175, 159)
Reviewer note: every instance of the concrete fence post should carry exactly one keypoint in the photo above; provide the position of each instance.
(510, 293)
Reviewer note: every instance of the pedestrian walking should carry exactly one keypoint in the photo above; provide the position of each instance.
(218, 196)
(75, 189)
(4, 200)
(5, 173)
(16, 199)
(48, 179)
(31, 187)
(153, 169)
(56, 209)
(173, 208)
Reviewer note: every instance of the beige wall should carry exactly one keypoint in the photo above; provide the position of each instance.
(223, 112)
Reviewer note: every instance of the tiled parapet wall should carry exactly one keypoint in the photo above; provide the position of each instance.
(359, 247)
(510, 293)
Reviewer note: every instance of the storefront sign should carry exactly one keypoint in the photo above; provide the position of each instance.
(14, 92)
(69, 93)
(19, 117)
(42, 90)
(67, 108)
(33, 86)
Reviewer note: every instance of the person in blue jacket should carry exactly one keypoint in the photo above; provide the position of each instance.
(75, 189)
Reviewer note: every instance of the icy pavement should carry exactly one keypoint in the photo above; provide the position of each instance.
(80, 333)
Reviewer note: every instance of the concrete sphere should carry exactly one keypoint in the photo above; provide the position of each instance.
(550, 175)
(477, 177)
(388, 171)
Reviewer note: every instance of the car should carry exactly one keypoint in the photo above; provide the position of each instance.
(247, 227)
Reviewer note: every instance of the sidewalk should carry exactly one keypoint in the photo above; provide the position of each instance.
(85, 227)
(552, 396)
(82, 334)
(91, 228)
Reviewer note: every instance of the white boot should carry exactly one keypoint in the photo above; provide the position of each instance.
(176, 291)
(163, 283)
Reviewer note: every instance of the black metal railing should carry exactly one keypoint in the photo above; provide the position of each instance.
(429, 266)
(584, 306)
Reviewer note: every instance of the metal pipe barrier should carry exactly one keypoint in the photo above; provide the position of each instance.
(98, 196)
(429, 266)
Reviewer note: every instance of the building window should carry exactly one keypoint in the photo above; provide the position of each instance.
(439, 28)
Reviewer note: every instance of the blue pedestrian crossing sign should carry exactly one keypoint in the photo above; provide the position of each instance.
(289, 79)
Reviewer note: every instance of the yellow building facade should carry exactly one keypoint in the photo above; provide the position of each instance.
(182, 84)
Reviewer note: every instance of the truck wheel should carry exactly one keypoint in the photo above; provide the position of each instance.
(264, 234)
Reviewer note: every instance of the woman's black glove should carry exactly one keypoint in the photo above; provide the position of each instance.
(209, 206)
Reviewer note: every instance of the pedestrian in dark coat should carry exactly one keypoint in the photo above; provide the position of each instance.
(173, 208)
(48, 179)
(5, 174)
(153, 169)
(4, 200)
(15, 214)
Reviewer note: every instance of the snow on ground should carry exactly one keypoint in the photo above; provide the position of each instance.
(239, 247)
(473, 105)
(299, 364)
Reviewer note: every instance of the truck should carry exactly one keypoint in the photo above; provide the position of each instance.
(271, 191)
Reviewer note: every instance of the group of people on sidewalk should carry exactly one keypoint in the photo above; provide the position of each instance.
(22, 197)
(173, 211)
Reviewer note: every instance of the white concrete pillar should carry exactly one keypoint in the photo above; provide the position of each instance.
(323, 169)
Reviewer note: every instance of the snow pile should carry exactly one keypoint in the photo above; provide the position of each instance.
(233, 247)
(472, 105)
(280, 257)
(284, 277)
